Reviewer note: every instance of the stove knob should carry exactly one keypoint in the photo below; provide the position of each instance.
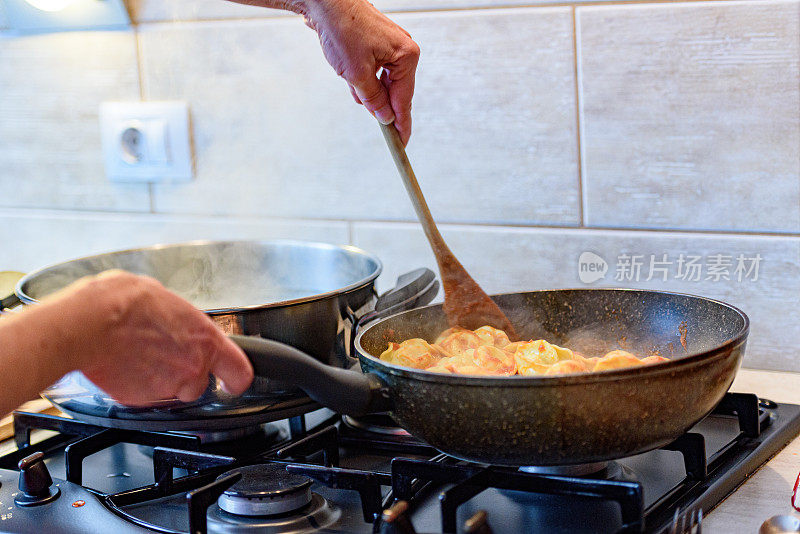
(396, 521)
(477, 524)
(35, 484)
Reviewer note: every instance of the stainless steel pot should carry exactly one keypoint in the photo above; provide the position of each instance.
(307, 295)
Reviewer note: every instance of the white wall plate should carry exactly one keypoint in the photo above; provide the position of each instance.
(146, 141)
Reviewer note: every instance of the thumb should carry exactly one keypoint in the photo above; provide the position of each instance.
(232, 367)
(375, 98)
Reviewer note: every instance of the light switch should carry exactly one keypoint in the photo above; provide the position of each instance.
(146, 141)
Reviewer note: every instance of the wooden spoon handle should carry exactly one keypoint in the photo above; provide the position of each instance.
(465, 303)
(398, 152)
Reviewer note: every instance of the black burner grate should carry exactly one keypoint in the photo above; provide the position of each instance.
(315, 453)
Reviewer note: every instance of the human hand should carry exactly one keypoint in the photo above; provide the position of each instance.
(140, 342)
(358, 41)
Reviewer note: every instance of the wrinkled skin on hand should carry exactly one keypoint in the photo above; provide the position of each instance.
(358, 41)
(149, 344)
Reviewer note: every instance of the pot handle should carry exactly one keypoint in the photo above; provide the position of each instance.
(10, 278)
(9, 302)
(412, 290)
(347, 392)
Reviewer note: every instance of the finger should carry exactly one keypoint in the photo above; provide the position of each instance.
(191, 391)
(353, 92)
(213, 352)
(375, 97)
(401, 118)
(232, 367)
(402, 108)
(193, 377)
(400, 83)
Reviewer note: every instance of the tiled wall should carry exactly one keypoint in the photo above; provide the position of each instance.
(653, 134)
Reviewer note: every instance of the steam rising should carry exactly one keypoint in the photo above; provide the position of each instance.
(592, 322)
(644, 323)
(225, 274)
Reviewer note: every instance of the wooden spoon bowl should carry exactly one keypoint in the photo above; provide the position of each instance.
(465, 303)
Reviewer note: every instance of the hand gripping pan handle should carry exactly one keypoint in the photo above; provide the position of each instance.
(346, 392)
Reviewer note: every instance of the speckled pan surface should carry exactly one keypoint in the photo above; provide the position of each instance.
(570, 419)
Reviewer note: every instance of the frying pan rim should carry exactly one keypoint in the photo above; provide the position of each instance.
(578, 378)
(26, 299)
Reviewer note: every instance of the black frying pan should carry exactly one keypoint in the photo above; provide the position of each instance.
(541, 420)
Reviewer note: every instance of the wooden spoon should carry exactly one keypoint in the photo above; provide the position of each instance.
(465, 303)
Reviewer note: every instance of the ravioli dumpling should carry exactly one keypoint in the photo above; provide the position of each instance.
(416, 353)
(537, 356)
(616, 359)
(493, 336)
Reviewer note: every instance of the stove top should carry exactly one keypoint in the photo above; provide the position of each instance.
(339, 476)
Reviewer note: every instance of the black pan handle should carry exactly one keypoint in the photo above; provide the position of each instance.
(347, 392)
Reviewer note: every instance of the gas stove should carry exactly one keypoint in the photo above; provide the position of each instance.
(324, 473)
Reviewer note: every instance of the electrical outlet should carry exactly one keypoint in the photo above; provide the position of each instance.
(146, 141)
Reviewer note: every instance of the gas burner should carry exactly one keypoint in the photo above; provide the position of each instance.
(609, 470)
(318, 515)
(571, 470)
(266, 490)
(375, 423)
(233, 444)
(235, 441)
(255, 438)
(267, 431)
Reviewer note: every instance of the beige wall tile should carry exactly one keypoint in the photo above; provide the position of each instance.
(277, 133)
(161, 10)
(32, 239)
(169, 10)
(52, 86)
(423, 5)
(495, 115)
(691, 115)
(509, 260)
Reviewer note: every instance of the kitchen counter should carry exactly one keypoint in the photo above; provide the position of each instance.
(769, 490)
